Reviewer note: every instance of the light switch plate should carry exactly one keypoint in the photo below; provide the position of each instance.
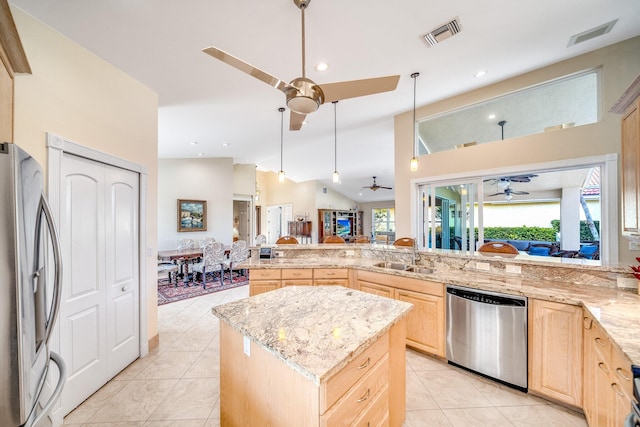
(277, 254)
(246, 344)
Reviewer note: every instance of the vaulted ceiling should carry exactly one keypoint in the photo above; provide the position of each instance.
(231, 114)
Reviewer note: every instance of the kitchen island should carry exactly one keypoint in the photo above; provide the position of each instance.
(312, 356)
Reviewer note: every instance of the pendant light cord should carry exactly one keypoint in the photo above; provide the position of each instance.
(414, 77)
(281, 109)
(335, 137)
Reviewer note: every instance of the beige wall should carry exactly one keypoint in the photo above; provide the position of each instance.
(80, 97)
(244, 179)
(195, 179)
(620, 65)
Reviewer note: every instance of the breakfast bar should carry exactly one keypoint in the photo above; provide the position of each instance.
(312, 356)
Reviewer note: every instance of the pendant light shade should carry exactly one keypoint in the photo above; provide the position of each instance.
(336, 175)
(414, 160)
(281, 173)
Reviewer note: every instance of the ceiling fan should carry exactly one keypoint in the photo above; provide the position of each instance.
(508, 193)
(375, 186)
(505, 180)
(304, 96)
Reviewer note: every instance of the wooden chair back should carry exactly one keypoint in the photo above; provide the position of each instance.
(333, 239)
(499, 248)
(404, 241)
(361, 239)
(287, 240)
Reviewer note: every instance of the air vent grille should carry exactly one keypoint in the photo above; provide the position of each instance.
(443, 32)
(592, 33)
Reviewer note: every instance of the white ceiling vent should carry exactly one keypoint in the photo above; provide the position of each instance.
(592, 33)
(443, 32)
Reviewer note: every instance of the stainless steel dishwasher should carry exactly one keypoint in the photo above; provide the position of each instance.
(487, 334)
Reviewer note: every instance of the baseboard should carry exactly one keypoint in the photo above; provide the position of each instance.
(154, 342)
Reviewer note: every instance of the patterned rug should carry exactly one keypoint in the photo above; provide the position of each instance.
(168, 292)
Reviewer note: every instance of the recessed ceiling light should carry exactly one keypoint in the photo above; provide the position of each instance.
(480, 73)
(322, 66)
(194, 143)
(360, 194)
(492, 116)
(304, 122)
(225, 144)
(200, 154)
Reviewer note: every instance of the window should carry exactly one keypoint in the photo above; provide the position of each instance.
(384, 224)
(557, 104)
(566, 206)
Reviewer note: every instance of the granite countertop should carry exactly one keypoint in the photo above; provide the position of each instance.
(316, 330)
(617, 310)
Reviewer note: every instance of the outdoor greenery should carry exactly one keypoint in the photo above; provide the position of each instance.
(585, 233)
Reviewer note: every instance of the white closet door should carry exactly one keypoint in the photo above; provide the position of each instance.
(99, 314)
(122, 278)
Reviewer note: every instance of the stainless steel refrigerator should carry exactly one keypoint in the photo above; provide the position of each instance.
(30, 280)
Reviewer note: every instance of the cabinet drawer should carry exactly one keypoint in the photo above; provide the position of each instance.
(327, 282)
(300, 282)
(377, 414)
(330, 273)
(359, 397)
(337, 385)
(264, 274)
(621, 371)
(261, 286)
(297, 273)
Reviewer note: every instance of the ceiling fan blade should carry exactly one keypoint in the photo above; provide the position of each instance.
(496, 194)
(354, 88)
(296, 120)
(248, 68)
(386, 188)
(519, 193)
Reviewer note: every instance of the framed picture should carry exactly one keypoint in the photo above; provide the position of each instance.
(192, 215)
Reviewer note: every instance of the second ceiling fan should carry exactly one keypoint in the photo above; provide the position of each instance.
(303, 95)
(375, 186)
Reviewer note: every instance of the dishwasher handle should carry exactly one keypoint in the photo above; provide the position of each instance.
(487, 298)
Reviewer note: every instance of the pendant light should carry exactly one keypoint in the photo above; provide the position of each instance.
(281, 173)
(414, 159)
(336, 175)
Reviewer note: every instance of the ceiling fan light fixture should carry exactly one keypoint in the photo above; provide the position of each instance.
(307, 97)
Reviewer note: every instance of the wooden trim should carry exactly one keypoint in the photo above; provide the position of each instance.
(627, 98)
(12, 51)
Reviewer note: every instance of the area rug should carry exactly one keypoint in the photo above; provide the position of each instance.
(169, 292)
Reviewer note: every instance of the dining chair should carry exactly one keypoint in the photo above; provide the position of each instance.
(287, 240)
(333, 239)
(405, 241)
(182, 244)
(213, 258)
(204, 242)
(361, 239)
(239, 252)
(499, 248)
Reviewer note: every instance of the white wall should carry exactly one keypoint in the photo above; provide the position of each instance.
(195, 179)
(80, 97)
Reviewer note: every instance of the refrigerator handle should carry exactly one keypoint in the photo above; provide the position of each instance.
(57, 285)
(62, 378)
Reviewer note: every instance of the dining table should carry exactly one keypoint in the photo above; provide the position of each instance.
(182, 258)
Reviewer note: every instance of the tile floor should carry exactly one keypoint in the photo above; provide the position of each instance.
(177, 384)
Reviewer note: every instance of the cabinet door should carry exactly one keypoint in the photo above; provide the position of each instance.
(555, 351)
(602, 399)
(376, 289)
(260, 286)
(425, 323)
(631, 167)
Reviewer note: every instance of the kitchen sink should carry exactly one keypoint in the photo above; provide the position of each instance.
(421, 270)
(392, 265)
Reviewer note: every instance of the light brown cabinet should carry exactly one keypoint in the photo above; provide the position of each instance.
(607, 378)
(265, 280)
(425, 323)
(555, 351)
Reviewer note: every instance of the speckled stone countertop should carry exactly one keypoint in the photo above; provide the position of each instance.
(617, 310)
(316, 330)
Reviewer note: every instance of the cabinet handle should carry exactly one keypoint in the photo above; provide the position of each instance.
(616, 388)
(590, 322)
(599, 341)
(620, 373)
(602, 366)
(365, 364)
(330, 273)
(366, 396)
